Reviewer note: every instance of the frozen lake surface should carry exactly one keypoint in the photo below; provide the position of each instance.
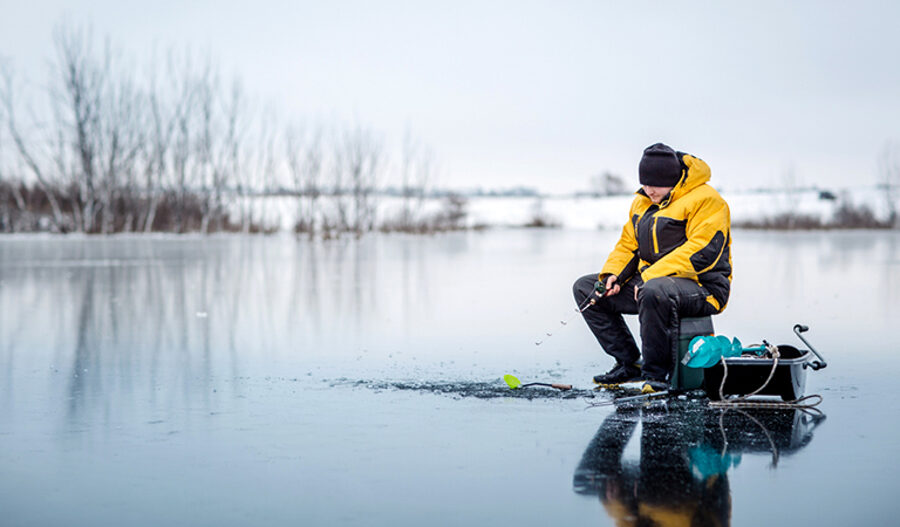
(274, 381)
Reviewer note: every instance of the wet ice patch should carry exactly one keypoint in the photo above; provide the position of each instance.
(481, 390)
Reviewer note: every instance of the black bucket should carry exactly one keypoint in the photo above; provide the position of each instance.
(747, 373)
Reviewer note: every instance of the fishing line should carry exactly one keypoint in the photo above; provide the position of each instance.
(598, 291)
(589, 301)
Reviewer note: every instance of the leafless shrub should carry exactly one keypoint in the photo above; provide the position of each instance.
(453, 214)
(846, 216)
(783, 222)
(539, 217)
(850, 216)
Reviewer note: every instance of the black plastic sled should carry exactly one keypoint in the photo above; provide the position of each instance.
(747, 373)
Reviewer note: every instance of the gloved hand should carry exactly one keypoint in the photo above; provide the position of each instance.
(611, 287)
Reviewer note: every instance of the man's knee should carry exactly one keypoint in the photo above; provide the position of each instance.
(583, 287)
(656, 292)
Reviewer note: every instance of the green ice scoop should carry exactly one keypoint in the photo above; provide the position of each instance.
(515, 383)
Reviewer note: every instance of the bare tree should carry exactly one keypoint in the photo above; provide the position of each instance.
(206, 170)
(238, 119)
(304, 160)
(165, 113)
(239, 155)
(258, 179)
(7, 97)
(120, 145)
(12, 202)
(417, 169)
(98, 112)
(423, 173)
(228, 163)
(362, 158)
(77, 96)
(889, 179)
(182, 146)
(407, 155)
(268, 161)
(339, 160)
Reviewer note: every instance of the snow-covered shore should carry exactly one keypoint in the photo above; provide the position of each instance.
(611, 212)
(603, 212)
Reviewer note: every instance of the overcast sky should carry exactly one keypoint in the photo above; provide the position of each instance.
(546, 94)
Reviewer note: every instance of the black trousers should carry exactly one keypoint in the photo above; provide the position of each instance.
(660, 305)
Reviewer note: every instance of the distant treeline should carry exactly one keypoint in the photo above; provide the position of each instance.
(168, 145)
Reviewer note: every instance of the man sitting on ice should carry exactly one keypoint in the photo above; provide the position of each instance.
(673, 260)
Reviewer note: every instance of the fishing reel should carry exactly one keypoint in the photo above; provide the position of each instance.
(599, 291)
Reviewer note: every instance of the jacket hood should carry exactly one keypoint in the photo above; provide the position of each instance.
(695, 172)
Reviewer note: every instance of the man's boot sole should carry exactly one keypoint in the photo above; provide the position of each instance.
(614, 385)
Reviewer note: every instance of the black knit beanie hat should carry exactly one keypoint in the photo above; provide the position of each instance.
(659, 166)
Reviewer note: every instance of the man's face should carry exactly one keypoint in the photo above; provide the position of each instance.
(656, 194)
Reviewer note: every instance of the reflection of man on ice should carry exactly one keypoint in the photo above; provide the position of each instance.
(673, 260)
(660, 489)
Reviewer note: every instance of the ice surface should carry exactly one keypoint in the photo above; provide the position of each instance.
(267, 380)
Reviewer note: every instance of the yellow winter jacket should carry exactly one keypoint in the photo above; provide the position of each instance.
(688, 235)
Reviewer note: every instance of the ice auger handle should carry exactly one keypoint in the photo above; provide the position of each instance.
(816, 364)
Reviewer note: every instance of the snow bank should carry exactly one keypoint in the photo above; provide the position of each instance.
(592, 213)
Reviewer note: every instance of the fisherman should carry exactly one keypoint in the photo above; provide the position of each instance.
(672, 260)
